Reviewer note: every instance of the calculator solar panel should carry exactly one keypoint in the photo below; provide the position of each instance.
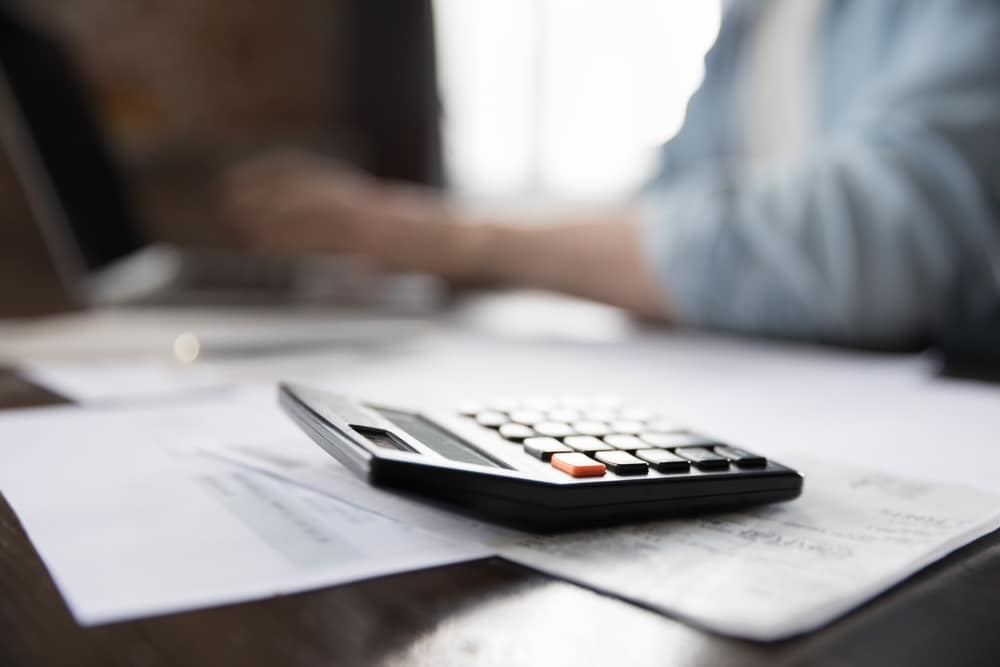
(542, 463)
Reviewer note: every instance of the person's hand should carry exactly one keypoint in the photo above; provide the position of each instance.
(293, 202)
(297, 203)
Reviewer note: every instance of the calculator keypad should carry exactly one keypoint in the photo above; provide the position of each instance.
(491, 418)
(703, 458)
(664, 460)
(622, 463)
(578, 465)
(625, 441)
(516, 432)
(555, 429)
(741, 458)
(544, 448)
(587, 438)
(587, 443)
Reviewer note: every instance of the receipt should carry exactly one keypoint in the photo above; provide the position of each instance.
(777, 570)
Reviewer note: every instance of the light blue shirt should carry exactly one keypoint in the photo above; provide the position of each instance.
(887, 233)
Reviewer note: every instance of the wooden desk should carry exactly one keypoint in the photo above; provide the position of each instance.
(483, 613)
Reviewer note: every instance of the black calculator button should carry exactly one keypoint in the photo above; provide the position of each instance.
(544, 448)
(587, 443)
(627, 427)
(591, 427)
(554, 429)
(622, 463)
(492, 419)
(528, 417)
(657, 439)
(578, 465)
(624, 441)
(741, 457)
(664, 461)
(703, 458)
(516, 432)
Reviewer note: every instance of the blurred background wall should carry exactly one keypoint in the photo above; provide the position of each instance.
(544, 101)
(186, 88)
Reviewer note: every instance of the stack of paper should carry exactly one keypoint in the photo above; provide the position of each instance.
(132, 518)
(779, 570)
(764, 573)
(140, 510)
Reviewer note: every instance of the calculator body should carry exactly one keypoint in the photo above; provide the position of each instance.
(452, 457)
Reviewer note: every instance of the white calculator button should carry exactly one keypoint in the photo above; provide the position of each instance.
(516, 432)
(663, 426)
(491, 419)
(628, 427)
(675, 439)
(528, 417)
(554, 429)
(591, 428)
(586, 443)
(562, 415)
(544, 448)
(626, 442)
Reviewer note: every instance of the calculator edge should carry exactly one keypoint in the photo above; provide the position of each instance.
(515, 499)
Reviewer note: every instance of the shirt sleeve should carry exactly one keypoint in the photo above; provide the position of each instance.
(868, 239)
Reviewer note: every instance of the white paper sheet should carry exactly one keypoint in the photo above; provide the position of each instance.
(778, 570)
(118, 355)
(886, 413)
(303, 463)
(765, 573)
(132, 519)
(150, 332)
(125, 382)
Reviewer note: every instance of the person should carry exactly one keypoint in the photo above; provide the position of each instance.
(836, 179)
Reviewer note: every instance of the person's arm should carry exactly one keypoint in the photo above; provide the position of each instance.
(597, 257)
(293, 203)
(876, 237)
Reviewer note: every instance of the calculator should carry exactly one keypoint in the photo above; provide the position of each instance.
(542, 464)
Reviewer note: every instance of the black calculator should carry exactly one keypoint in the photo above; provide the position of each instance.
(540, 463)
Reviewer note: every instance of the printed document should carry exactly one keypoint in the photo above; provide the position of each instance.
(133, 519)
(778, 570)
(763, 573)
(208, 472)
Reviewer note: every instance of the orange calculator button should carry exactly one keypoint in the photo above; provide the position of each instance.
(578, 465)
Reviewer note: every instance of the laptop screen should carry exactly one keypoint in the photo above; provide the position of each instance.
(68, 148)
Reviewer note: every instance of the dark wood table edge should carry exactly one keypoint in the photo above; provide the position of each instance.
(837, 643)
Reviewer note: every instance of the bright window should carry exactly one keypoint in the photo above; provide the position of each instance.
(564, 100)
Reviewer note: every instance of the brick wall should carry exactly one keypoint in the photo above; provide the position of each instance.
(185, 87)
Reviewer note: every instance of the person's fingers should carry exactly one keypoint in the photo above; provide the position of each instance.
(286, 163)
(293, 203)
(307, 217)
(272, 200)
(242, 189)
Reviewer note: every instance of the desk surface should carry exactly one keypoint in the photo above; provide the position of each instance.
(488, 612)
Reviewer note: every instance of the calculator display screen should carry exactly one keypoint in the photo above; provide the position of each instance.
(436, 438)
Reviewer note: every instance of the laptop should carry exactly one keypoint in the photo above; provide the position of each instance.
(97, 240)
